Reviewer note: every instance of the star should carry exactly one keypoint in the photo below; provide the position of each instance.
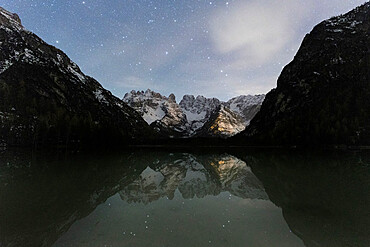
(179, 45)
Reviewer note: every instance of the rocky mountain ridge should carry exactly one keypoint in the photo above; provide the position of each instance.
(194, 116)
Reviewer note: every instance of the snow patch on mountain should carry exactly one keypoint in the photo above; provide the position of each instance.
(198, 110)
(238, 104)
(149, 104)
(246, 106)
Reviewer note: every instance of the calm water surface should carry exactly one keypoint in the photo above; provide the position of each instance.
(162, 198)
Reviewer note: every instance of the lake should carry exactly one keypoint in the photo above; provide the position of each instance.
(158, 197)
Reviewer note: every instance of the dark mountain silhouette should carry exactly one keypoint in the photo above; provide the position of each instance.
(46, 99)
(323, 95)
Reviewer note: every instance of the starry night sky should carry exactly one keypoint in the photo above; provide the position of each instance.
(220, 48)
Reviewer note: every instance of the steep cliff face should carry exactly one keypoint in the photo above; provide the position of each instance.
(323, 95)
(45, 98)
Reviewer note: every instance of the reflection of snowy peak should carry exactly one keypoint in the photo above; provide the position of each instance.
(237, 178)
(194, 116)
(194, 177)
(149, 181)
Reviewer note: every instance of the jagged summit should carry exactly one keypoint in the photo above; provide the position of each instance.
(9, 19)
(194, 116)
(147, 93)
(172, 98)
(151, 105)
(198, 110)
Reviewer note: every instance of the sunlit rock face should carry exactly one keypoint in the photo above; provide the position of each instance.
(194, 116)
(194, 176)
(222, 123)
(46, 99)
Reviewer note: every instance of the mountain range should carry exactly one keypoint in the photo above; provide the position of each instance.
(322, 97)
(194, 116)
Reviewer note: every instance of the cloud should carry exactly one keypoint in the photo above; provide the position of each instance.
(253, 32)
(225, 52)
(225, 88)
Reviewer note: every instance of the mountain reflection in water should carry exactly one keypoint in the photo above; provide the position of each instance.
(194, 177)
(86, 200)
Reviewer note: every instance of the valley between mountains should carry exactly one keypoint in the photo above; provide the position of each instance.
(322, 97)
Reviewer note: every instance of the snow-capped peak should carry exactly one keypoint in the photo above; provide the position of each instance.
(192, 113)
(151, 105)
(198, 110)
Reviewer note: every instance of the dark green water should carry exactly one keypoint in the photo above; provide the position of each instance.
(181, 198)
